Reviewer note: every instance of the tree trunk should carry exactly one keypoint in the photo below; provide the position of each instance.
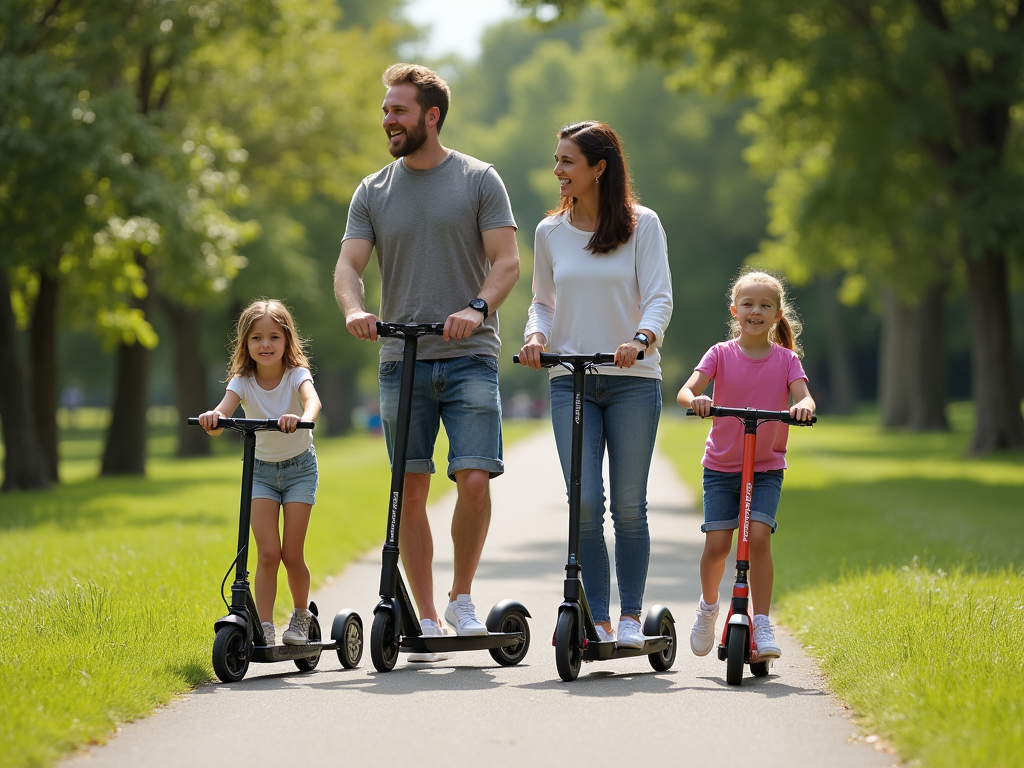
(893, 368)
(996, 391)
(337, 390)
(125, 450)
(24, 463)
(842, 384)
(190, 395)
(927, 369)
(43, 375)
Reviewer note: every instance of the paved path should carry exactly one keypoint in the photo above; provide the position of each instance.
(468, 711)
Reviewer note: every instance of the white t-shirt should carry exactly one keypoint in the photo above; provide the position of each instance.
(585, 303)
(274, 403)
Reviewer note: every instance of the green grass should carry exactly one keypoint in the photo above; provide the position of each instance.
(900, 566)
(109, 587)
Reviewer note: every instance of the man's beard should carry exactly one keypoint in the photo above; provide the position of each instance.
(414, 139)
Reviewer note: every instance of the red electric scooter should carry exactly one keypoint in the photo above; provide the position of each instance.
(738, 646)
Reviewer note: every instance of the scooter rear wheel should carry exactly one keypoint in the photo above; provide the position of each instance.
(309, 663)
(568, 653)
(760, 668)
(736, 648)
(658, 624)
(231, 653)
(349, 637)
(383, 648)
(512, 621)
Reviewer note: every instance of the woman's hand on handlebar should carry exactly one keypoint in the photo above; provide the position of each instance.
(625, 355)
(529, 355)
(701, 405)
(208, 421)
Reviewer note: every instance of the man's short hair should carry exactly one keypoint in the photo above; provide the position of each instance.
(433, 90)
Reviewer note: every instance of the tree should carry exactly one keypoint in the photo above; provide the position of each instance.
(942, 78)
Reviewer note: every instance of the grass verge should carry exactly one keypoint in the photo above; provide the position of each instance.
(899, 566)
(108, 587)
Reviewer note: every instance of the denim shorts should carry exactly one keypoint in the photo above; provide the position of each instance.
(462, 392)
(293, 479)
(722, 499)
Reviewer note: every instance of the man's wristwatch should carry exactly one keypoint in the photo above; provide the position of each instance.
(643, 339)
(480, 306)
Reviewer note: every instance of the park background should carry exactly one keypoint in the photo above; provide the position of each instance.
(163, 163)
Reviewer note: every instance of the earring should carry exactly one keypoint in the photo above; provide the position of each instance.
(597, 179)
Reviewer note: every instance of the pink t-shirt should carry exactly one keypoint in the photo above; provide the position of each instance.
(742, 382)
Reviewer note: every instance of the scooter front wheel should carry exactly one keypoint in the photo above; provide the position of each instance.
(659, 624)
(736, 647)
(383, 648)
(309, 663)
(231, 653)
(568, 653)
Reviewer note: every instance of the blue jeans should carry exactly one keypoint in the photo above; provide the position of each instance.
(460, 391)
(620, 415)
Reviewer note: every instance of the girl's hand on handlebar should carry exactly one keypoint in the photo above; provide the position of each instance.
(701, 405)
(625, 355)
(208, 421)
(801, 412)
(287, 422)
(529, 355)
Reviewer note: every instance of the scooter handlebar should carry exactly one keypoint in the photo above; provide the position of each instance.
(549, 359)
(753, 413)
(409, 329)
(254, 424)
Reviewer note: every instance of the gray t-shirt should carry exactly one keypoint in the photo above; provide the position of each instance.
(426, 227)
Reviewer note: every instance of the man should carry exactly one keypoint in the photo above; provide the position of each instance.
(443, 229)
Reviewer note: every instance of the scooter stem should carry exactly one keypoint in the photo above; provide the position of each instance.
(747, 489)
(572, 567)
(240, 587)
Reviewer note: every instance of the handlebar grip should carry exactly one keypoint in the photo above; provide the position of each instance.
(193, 421)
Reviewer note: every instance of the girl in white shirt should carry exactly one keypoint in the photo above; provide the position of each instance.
(269, 375)
(601, 283)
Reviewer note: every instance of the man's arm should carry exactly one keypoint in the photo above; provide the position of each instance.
(503, 253)
(348, 287)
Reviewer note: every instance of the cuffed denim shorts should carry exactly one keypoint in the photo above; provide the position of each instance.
(722, 499)
(293, 479)
(462, 392)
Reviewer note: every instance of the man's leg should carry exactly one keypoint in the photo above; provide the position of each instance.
(470, 522)
(417, 544)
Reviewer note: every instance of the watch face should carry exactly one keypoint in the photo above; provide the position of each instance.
(479, 305)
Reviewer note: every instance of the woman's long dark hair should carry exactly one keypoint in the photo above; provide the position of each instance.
(616, 211)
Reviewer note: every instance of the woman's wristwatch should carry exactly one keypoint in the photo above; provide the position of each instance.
(643, 339)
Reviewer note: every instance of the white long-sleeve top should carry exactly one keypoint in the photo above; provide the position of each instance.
(585, 303)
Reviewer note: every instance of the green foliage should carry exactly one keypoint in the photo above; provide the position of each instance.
(898, 564)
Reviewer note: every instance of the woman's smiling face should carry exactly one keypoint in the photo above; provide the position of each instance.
(576, 176)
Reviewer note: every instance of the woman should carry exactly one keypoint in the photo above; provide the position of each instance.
(601, 282)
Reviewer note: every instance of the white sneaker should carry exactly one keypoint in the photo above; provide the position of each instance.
(298, 628)
(604, 635)
(764, 639)
(269, 632)
(629, 634)
(702, 633)
(429, 628)
(460, 615)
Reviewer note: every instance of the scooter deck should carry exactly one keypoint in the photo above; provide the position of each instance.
(452, 643)
(598, 651)
(265, 654)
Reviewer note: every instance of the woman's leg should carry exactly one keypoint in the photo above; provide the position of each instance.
(296, 521)
(632, 407)
(264, 521)
(593, 553)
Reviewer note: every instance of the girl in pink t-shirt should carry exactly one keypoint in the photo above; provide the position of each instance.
(758, 368)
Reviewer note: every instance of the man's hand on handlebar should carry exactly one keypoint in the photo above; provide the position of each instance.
(362, 325)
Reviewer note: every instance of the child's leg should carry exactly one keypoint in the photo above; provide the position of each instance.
(296, 521)
(264, 514)
(762, 568)
(712, 563)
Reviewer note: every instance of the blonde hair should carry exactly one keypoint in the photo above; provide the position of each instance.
(241, 362)
(785, 333)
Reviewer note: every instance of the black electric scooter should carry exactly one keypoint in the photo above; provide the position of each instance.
(396, 626)
(240, 639)
(738, 647)
(576, 637)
